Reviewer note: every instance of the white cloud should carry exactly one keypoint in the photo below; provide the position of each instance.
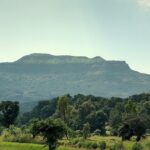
(145, 3)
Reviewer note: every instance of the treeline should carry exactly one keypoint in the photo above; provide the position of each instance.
(112, 116)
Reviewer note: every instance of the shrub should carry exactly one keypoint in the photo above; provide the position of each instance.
(94, 145)
(78, 133)
(114, 132)
(137, 146)
(102, 145)
(87, 145)
(71, 133)
(1, 129)
(75, 141)
(117, 146)
(14, 134)
(80, 144)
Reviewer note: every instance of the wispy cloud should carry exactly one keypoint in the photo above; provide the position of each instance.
(144, 3)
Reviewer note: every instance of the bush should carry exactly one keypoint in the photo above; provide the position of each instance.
(102, 145)
(137, 146)
(84, 144)
(1, 129)
(114, 132)
(75, 141)
(94, 145)
(80, 144)
(71, 133)
(14, 134)
(88, 145)
(78, 133)
(118, 146)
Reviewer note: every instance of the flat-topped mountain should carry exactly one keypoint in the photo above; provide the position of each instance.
(51, 59)
(42, 76)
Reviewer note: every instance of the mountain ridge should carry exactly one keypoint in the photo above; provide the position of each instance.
(42, 76)
(39, 58)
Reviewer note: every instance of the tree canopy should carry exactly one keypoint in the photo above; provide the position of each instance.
(8, 112)
(51, 129)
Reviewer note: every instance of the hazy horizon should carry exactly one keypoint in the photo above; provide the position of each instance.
(114, 30)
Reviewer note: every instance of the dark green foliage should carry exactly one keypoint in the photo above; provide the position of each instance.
(63, 108)
(8, 112)
(76, 111)
(88, 144)
(97, 120)
(51, 130)
(137, 146)
(1, 129)
(134, 126)
(33, 127)
(86, 130)
(115, 118)
(102, 145)
(43, 110)
(94, 145)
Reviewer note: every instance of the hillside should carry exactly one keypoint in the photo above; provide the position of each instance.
(42, 76)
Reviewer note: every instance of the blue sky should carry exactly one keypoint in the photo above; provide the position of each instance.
(113, 29)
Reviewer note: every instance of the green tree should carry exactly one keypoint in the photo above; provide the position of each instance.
(63, 107)
(130, 108)
(97, 120)
(51, 130)
(86, 130)
(8, 112)
(84, 110)
(134, 126)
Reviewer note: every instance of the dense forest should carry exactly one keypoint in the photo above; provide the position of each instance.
(104, 115)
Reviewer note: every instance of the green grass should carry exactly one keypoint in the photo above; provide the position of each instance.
(17, 146)
(109, 140)
(20, 146)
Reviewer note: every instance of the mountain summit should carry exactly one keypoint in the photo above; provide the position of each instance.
(42, 76)
(37, 58)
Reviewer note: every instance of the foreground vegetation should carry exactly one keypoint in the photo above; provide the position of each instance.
(112, 143)
(85, 122)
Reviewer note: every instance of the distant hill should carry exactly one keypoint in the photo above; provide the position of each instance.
(42, 76)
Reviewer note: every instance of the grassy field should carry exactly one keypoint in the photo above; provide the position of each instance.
(109, 140)
(23, 146)
(18, 146)
(112, 140)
